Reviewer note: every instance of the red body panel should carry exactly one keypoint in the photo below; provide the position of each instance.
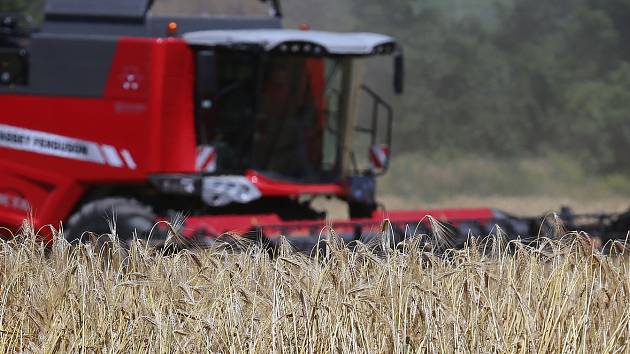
(274, 188)
(272, 226)
(451, 215)
(145, 122)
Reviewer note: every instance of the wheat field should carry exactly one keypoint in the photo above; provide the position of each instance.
(555, 296)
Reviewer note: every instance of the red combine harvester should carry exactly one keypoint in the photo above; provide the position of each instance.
(235, 123)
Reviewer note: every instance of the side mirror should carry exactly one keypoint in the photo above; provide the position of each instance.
(399, 73)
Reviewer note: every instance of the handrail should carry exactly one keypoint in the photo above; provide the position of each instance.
(378, 102)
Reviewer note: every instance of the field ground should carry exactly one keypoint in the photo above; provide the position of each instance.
(434, 181)
(519, 206)
(525, 187)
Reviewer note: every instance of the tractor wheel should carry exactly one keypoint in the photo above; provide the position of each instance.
(94, 218)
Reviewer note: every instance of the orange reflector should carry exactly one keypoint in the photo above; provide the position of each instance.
(304, 27)
(172, 28)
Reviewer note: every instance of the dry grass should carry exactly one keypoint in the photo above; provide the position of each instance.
(556, 297)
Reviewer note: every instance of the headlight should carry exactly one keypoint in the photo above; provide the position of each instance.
(176, 184)
(223, 190)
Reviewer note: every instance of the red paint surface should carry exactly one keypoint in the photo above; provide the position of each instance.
(276, 188)
(272, 225)
(154, 122)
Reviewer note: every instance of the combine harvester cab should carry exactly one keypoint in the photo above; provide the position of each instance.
(233, 122)
(283, 116)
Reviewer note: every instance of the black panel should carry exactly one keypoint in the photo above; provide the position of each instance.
(67, 66)
(111, 9)
(156, 26)
(71, 67)
(94, 28)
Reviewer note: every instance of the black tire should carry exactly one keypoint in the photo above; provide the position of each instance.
(94, 217)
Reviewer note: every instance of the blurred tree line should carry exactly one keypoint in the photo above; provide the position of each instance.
(504, 78)
(13, 5)
(32, 10)
(513, 78)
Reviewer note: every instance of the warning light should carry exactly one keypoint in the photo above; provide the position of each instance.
(304, 27)
(172, 28)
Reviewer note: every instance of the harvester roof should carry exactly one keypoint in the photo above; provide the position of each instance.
(297, 41)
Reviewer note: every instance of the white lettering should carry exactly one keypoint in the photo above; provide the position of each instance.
(14, 202)
(61, 146)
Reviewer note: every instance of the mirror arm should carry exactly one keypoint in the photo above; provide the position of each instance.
(399, 71)
(378, 102)
(276, 7)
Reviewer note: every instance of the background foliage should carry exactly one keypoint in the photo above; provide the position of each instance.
(514, 77)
